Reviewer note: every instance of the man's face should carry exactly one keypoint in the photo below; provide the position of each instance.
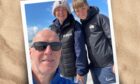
(61, 13)
(45, 61)
(82, 12)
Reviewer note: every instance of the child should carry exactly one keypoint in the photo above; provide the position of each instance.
(98, 39)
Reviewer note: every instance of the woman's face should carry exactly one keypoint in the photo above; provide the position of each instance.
(61, 13)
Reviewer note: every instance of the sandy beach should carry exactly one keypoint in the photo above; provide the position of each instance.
(127, 33)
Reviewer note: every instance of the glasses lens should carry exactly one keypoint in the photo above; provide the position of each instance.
(40, 46)
(55, 46)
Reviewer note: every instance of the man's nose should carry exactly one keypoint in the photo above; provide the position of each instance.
(48, 50)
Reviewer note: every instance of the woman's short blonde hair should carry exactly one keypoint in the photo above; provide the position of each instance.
(79, 3)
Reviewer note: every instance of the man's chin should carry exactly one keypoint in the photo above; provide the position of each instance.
(47, 70)
(47, 67)
(83, 18)
(47, 64)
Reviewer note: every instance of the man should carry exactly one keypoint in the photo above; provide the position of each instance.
(45, 55)
(74, 58)
(98, 39)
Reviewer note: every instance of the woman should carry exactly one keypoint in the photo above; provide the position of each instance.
(74, 58)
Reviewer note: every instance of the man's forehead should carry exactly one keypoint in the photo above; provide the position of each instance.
(46, 36)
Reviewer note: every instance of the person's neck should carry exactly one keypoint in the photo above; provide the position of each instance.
(61, 22)
(44, 79)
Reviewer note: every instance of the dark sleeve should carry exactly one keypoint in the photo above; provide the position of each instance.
(105, 24)
(81, 54)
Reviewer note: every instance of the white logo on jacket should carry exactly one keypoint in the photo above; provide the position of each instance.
(91, 26)
(68, 35)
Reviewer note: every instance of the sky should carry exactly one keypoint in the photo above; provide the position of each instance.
(39, 15)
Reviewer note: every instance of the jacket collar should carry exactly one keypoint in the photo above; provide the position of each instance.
(66, 23)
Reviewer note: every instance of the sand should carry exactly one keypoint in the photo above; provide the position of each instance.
(126, 25)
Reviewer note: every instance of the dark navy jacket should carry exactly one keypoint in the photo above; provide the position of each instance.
(98, 38)
(73, 47)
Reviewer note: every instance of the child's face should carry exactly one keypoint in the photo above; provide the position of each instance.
(82, 12)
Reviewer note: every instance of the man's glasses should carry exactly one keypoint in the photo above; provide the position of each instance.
(41, 46)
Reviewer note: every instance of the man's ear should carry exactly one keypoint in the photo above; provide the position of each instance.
(30, 51)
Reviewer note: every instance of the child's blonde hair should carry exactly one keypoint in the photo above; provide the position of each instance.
(79, 3)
